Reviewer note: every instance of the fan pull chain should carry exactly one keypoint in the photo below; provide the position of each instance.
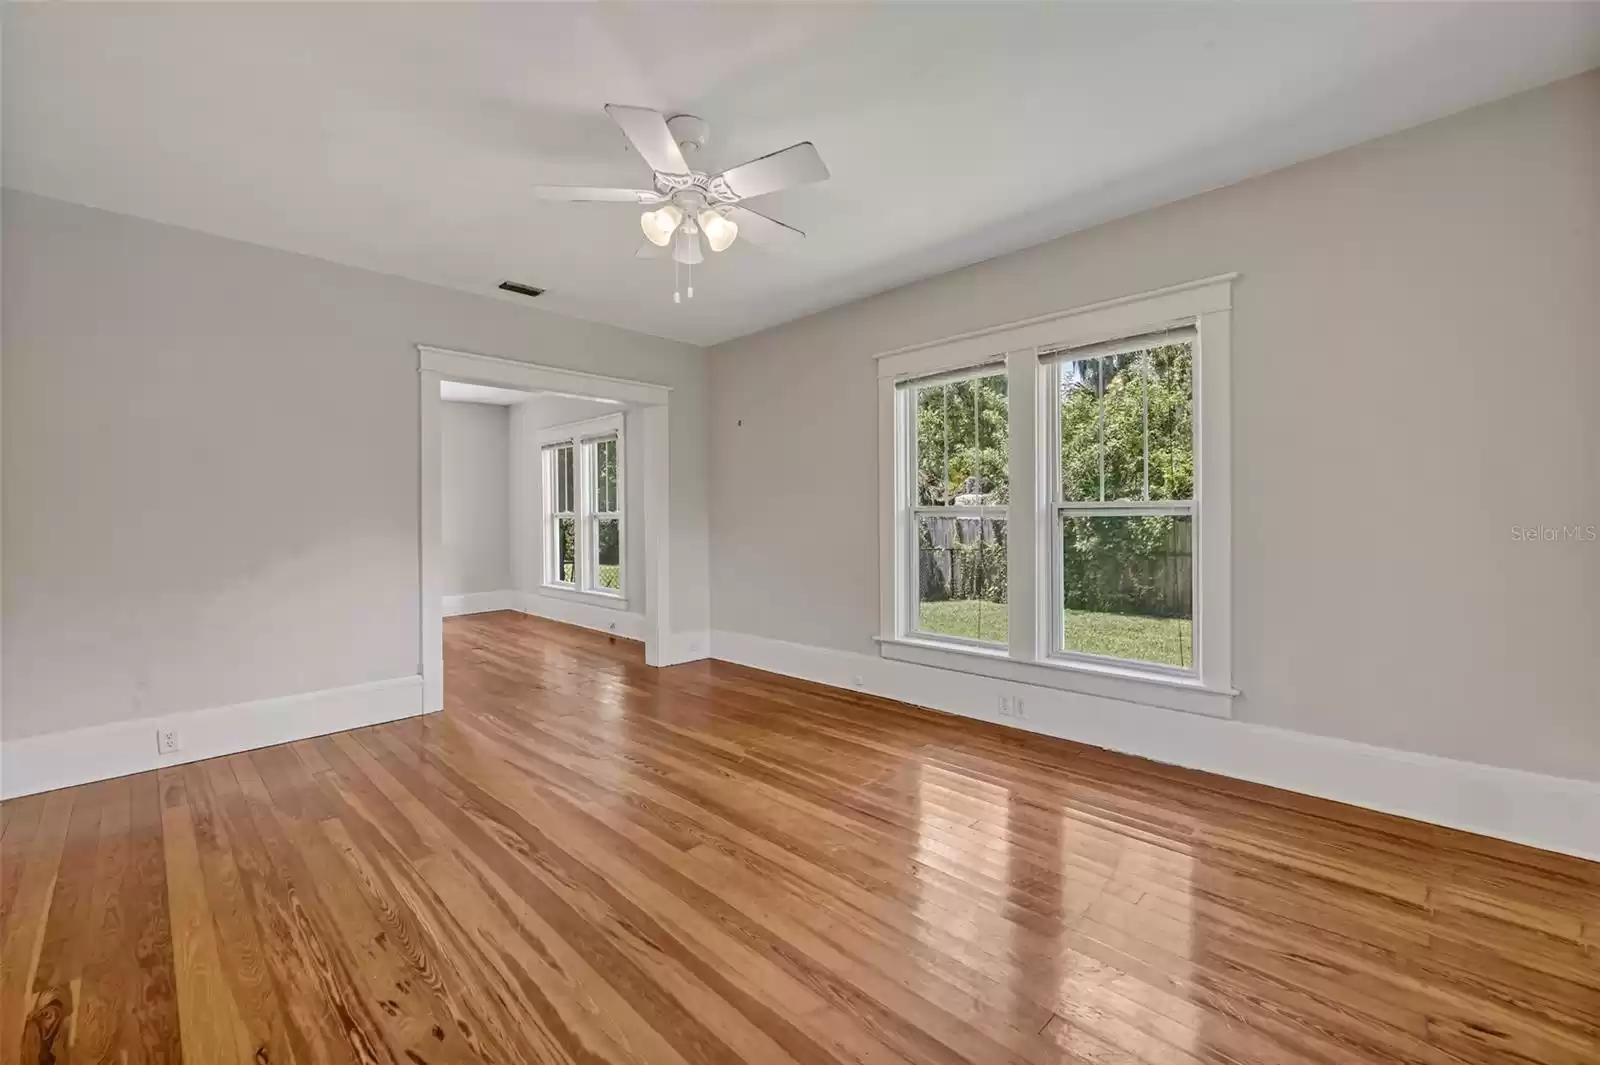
(689, 272)
(677, 297)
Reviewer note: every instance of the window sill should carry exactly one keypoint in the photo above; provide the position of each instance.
(610, 600)
(1106, 681)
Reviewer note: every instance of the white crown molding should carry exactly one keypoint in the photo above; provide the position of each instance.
(100, 752)
(1552, 813)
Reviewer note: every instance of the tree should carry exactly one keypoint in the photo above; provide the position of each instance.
(963, 431)
(1110, 408)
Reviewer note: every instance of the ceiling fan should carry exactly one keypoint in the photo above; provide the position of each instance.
(685, 203)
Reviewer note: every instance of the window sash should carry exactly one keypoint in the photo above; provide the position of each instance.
(559, 462)
(553, 551)
(1052, 366)
(593, 550)
(913, 572)
(1057, 622)
(912, 390)
(600, 503)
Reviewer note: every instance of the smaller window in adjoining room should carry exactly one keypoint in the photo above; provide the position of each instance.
(605, 514)
(583, 492)
(561, 523)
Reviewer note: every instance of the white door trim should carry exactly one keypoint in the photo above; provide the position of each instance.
(651, 400)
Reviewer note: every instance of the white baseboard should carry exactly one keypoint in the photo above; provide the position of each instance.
(478, 602)
(100, 752)
(585, 615)
(1552, 813)
(687, 647)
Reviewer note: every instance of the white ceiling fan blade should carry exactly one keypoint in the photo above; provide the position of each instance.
(647, 131)
(591, 194)
(651, 250)
(798, 164)
(759, 229)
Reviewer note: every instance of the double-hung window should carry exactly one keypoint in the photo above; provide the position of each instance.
(605, 514)
(584, 528)
(561, 514)
(1056, 500)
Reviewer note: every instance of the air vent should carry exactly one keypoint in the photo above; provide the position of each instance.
(521, 290)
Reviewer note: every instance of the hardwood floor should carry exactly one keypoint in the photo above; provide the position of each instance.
(585, 860)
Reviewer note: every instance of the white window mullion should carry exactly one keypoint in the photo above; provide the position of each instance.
(1024, 379)
(585, 545)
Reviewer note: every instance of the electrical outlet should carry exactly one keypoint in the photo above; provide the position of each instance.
(1011, 706)
(857, 681)
(167, 740)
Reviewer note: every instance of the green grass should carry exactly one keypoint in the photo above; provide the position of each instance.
(1167, 641)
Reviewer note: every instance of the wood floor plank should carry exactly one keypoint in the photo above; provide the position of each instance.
(588, 861)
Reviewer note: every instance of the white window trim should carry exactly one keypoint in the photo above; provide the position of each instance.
(582, 436)
(1208, 689)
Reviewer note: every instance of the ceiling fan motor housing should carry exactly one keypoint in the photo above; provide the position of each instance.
(691, 132)
(695, 190)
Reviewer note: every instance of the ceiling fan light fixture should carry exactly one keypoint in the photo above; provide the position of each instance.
(659, 225)
(720, 231)
(687, 249)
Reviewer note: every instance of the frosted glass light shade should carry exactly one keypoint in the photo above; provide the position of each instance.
(719, 231)
(659, 225)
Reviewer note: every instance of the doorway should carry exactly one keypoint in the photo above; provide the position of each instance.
(550, 574)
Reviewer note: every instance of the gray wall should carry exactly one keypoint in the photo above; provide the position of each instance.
(528, 418)
(474, 497)
(210, 483)
(1415, 372)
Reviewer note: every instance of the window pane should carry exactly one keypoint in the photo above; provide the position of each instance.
(608, 548)
(1171, 421)
(1124, 417)
(605, 476)
(961, 577)
(962, 428)
(566, 550)
(564, 473)
(1128, 588)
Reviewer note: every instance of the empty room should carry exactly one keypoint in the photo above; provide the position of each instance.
(799, 533)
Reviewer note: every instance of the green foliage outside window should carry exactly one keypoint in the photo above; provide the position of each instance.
(1109, 407)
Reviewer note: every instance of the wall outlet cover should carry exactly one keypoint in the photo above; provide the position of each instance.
(168, 741)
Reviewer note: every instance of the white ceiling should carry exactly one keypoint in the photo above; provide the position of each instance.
(403, 137)
(463, 392)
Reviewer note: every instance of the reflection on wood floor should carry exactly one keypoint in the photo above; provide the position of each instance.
(586, 860)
